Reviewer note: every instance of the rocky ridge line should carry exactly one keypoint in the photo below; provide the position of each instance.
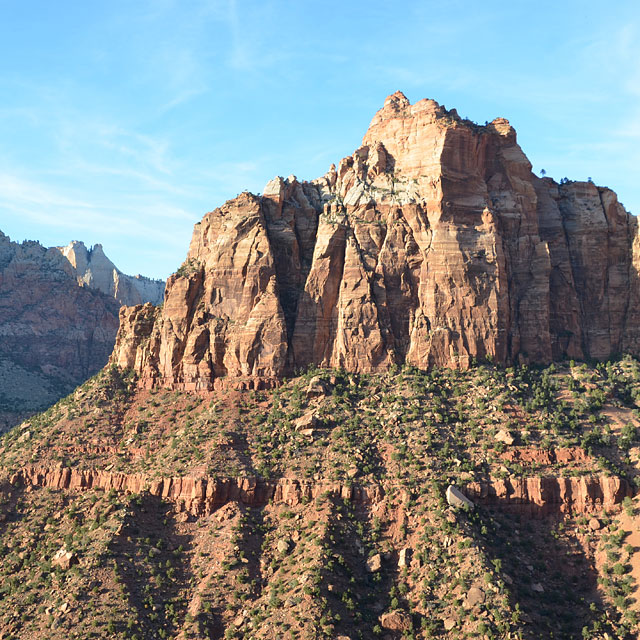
(58, 320)
(93, 269)
(53, 333)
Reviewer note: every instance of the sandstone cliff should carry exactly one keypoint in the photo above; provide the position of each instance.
(201, 496)
(93, 269)
(432, 245)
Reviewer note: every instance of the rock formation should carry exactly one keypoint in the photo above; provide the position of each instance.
(201, 496)
(93, 269)
(540, 496)
(198, 495)
(54, 333)
(433, 244)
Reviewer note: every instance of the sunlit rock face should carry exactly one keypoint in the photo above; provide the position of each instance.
(433, 244)
(54, 334)
(93, 269)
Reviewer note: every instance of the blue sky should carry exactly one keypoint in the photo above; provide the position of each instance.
(124, 122)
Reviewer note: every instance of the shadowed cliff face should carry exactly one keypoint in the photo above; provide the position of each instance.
(58, 320)
(53, 333)
(431, 245)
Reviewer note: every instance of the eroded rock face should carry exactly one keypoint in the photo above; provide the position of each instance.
(540, 496)
(201, 495)
(197, 495)
(58, 320)
(93, 269)
(431, 245)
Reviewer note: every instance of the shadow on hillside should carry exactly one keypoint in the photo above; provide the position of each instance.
(547, 571)
(10, 496)
(242, 450)
(151, 562)
(354, 595)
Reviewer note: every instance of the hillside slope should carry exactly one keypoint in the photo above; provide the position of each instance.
(343, 423)
(319, 509)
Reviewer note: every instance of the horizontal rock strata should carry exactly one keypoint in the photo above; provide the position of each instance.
(432, 245)
(538, 497)
(201, 496)
(546, 456)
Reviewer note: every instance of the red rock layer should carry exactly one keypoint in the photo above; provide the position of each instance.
(197, 495)
(432, 244)
(545, 456)
(201, 496)
(542, 496)
(50, 327)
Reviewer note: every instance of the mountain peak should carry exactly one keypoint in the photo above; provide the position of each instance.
(433, 244)
(94, 269)
(397, 100)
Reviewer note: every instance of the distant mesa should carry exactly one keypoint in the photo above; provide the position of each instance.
(433, 245)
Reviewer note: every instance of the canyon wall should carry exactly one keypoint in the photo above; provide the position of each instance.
(53, 333)
(540, 496)
(197, 495)
(58, 320)
(434, 244)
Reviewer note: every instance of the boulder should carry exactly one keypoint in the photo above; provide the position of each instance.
(475, 596)
(316, 388)
(456, 498)
(397, 620)
(306, 421)
(505, 437)
(64, 559)
(374, 563)
(283, 545)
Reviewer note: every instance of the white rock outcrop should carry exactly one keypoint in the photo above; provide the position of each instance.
(93, 269)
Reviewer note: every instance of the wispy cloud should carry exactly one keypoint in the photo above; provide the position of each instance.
(48, 207)
(252, 47)
(20, 192)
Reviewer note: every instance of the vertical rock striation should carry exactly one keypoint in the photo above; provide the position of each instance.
(432, 245)
(201, 495)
